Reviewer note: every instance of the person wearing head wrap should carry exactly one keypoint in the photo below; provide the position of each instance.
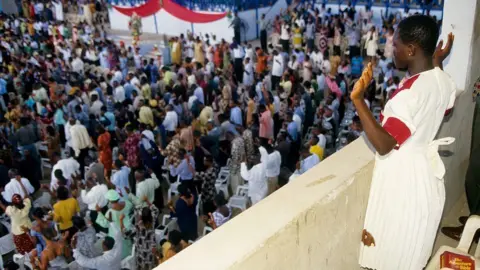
(119, 215)
(21, 224)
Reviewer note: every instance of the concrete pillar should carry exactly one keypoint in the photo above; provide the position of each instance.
(463, 19)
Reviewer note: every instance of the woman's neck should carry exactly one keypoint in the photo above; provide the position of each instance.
(420, 66)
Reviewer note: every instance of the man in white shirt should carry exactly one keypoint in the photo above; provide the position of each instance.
(285, 37)
(277, 69)
(77, 65)
(257, 181)
(322, 140)
(118, 92)
(69, 167)
(96, 107)
(272, 160)
(145, 188)
(93, 197)
(15, 186)
(111, 259)
(81, 143)
(171, 119)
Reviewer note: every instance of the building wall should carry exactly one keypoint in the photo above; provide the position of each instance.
(315, 222)
(464, 67)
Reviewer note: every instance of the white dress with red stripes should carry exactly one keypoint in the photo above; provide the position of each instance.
(407, 192)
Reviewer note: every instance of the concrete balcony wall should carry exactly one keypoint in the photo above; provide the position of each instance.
(315, 222)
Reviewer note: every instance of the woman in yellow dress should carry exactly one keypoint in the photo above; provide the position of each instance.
(199, 52)
(297, 37)
(176, 51)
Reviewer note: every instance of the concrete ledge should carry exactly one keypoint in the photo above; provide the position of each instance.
(311, 223)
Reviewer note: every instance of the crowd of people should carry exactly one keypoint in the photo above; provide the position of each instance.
(118, 128)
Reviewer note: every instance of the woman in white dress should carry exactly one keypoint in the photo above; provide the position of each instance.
(407, 193)
(371, 43)
(388, 51)
(248, 74)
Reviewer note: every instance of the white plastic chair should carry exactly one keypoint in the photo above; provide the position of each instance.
(166, 172)
(173, 188)
(222, 182)
(129, 261)
(168, 224)
(471, 227)
(240, 199)
(197, 208)
(22, 261)
(207, 230)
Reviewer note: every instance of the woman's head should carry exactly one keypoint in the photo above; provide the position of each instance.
(146, 216)
(17, 201)
(51, 131)
(416, 38)
(100, 129)
(174, 237)
(220, 200)
(39, 214)
(184, 191)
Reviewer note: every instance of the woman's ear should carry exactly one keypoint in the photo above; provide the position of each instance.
(411, 50)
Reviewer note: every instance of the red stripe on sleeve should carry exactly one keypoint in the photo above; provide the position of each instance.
(397, 129)
(448, 111)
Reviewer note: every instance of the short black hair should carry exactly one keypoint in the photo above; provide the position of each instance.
(174, 237)
(62, 193)
(78, 222)
(118, 163)
(421, 30)
(39, 212)
(109, 242)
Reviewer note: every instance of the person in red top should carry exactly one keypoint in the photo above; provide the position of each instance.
(132, 151)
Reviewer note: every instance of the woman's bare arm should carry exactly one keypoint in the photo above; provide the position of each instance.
(377, 135)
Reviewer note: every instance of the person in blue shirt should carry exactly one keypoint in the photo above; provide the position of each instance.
(107, 119)
(292, 129)
(81, 116)
(129, 88)
(235, 114)
(185, 170)
(153, 71)
(357, 66)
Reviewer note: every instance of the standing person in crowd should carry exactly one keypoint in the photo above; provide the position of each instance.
(117, 216)
(64, 211)
(144, 230)
(18, 213)
(184, 211)
(105, 152)
(263, 25)
(237, 24)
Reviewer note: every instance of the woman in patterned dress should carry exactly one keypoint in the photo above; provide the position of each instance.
(145, 244)
(18, 213)
(323, 40)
